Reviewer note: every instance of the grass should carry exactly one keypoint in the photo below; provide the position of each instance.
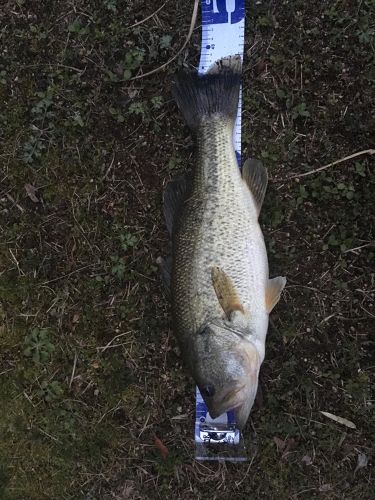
(89, 368)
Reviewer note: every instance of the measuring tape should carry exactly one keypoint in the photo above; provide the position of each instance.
(223, 32)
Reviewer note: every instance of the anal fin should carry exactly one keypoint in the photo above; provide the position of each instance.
(256, 177)
(273, 291)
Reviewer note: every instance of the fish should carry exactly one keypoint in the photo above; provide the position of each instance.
(219, 281)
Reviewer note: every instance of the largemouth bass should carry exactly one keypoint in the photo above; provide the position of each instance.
(220, 287)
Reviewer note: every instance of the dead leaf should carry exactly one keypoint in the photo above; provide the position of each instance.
(180, 417)
(306, 460)
(290, 444)
(361, 462)
(259, 67)
(76, 317)
(284, 446)
(339, 420)
(161, 447)
(280, 444)
(325, 487)
(133, 93)
(31, 193)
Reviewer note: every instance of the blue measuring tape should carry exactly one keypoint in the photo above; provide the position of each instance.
(223, 32)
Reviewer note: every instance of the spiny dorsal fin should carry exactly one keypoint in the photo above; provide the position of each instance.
(174, 196)
(273, 291)
(225, 292)
(256, 177)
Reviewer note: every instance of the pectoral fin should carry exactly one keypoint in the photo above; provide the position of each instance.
(225, 292)
(256, 177)
(273, 291)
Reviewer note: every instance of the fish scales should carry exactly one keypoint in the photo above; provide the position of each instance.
(218, 227)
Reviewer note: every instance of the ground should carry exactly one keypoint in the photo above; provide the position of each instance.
(90, 370)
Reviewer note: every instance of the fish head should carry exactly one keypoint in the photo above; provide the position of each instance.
(226, 368)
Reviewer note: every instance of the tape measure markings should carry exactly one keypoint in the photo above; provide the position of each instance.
(223, 28)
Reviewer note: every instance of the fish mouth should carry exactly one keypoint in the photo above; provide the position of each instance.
(230, 400)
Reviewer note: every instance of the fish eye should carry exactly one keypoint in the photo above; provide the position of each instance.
(208, 390)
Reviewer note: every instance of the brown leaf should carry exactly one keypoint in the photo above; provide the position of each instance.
(284, 446)
(76, 317)
(290, 444)
(280, 444)
(259, 67)
(31, 193)
(161, 447)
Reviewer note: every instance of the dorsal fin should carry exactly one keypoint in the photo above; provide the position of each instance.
(256, 177)
(174, 196)
(225, 292)
(273, 291)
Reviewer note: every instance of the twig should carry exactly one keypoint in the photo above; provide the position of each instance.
(119, 404)
(144, 425)
(48, 435)
(110, 342)
(359, 248)
(148, 17)
(66, 275)
(360, 153)
(74, 370)
(10, 198)
(191, 29)
(16, 262)
(6, 371)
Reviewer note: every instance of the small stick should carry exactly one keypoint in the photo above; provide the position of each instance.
(74, 370)
(148, 17)
(16, 262)
(191, 29)
(66, 275)
(110, 342)
(360, 153)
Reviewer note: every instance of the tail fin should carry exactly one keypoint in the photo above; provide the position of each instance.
(215, 93)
